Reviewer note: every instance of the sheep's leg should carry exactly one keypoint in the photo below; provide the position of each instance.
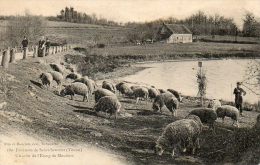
(223, 118)
(84, 97)
(173, 153)
(87, 97)
(71, 96)
(115, 115)
(137, 99)
(198, 143)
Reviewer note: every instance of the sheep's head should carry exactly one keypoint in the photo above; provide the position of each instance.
(156, 107)
(41, 76)
(158, 149)
(63, 92)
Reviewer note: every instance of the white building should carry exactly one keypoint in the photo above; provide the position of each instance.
(175, 33)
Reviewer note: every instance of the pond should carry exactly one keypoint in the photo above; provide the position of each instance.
(222, 76)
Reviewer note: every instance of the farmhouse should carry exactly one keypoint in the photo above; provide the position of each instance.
(174, 33)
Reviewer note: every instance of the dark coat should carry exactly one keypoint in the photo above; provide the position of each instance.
(25, 43)
(238, 95)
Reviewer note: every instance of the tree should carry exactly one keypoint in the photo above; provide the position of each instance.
(250, 25)
(30, 26)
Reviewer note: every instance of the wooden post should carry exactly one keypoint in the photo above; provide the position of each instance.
(25, 51)
(6, 58)
(35, 53)
(12, 55)
(50, 50)
(44, 52)
(200, 72)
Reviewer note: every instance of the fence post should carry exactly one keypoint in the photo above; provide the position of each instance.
(34, 51)
(44, 52)
(25, 50)
(6, 58)
(12, 55)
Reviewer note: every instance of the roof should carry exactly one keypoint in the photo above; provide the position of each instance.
(179, 29)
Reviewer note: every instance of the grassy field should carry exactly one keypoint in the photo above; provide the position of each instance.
(239, 39)
(160, 51)
(40, 112)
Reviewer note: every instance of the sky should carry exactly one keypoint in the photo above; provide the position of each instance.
(134, 10)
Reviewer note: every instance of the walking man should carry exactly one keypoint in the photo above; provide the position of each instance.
(238, 91)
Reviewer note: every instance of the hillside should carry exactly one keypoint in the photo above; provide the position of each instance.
(39, 112)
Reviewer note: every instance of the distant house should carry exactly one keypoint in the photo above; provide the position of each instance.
(174, 33)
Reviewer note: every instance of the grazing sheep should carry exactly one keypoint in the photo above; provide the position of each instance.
(176, 94)
(124, 89)
(108, 104)
(109, 86)
(73, 76)
(228, 111)
(206, 115)
(46, 79)
(214, 104)
(90, 83)
(153, 92)
(166, 99)
(76, 88)
(118, 85)
(179, 135)
(257, 124)
(57, 67)
(138, 93)
(101, 92)
(57, 76)
(162, 90)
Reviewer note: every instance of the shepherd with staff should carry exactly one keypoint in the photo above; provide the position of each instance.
(238, 91)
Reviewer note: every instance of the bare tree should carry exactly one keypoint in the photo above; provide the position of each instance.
(19, 26)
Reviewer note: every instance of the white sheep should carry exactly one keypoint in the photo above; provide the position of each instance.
(206, 115)
(166, 99)
(57, 67)
(214, 104)
(228, 111)
(108, 104)
(176, 94)
(57, 76)
(124, 88)
(75, 88)
(101, 92)
(46, 79)
(90, 83)
(153, 92)
(162, 90)
(138, 93)
(179, 135)
(109, 86)
(73, 76)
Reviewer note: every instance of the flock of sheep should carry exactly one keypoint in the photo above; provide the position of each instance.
(181, 135)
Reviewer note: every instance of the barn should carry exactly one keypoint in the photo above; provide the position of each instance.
(174, 33)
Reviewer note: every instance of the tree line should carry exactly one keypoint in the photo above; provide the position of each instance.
(72, 15)
(199, 24)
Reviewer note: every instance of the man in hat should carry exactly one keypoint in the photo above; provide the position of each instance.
(238, 91)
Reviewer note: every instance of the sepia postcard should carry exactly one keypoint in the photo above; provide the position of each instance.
(129, 82)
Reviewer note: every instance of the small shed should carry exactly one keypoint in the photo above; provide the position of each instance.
(175, 33)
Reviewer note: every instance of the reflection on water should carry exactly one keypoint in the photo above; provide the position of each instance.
(222, 76)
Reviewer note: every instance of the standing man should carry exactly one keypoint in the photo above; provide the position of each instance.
(238, 91)
(41, 46)
(25, 43)
(48, 44)
(24, 46)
